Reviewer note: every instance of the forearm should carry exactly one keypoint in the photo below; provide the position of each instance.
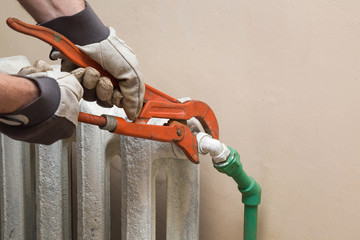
(46, 10)
(16, 92)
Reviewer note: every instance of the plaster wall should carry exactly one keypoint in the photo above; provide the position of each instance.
(283, 78)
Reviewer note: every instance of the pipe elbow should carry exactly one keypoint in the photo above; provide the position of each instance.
(251, 196)
(249, 188)
(218, 151)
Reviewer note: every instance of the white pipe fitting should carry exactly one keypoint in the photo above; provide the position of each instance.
(206, 144)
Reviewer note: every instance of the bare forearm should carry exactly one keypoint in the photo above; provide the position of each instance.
(46, 10)
(16, 92)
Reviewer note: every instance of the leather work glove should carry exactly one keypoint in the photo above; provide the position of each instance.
(100, 43)
(53, 115)
(97, 88)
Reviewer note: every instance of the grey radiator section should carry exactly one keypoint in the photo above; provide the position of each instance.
(63, 191)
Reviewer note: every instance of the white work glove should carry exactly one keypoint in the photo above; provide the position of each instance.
(118, 59)
(50, 117)
(100, 43)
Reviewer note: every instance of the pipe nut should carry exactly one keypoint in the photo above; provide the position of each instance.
(111, 123)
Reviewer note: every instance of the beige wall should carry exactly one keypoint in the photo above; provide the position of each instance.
(283, 78)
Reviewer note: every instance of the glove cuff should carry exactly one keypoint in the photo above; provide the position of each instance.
(46, 133)
(39, 110)
(82, 28)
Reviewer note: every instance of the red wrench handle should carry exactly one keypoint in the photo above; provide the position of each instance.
(175, 132)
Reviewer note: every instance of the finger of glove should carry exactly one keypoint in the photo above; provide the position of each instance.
(71, 93)
(89, 81)
(67, 66)
(38, 66)
(55, 55)
(133, 93)
(104, 89)
(42, 66)
(27, 70)
(118, 59)
(117, 98)
(79, 74)
(90, 78)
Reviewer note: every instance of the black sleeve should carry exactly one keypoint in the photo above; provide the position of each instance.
(82, 28)
(37, 122)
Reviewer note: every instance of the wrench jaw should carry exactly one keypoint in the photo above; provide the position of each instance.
(208, 119)
(188, 144)
(182, 111)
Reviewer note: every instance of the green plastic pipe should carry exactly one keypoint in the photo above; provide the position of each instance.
(249, 188)
(250, 222)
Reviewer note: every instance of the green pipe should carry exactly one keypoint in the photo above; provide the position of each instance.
(250, 222)
(249, 188)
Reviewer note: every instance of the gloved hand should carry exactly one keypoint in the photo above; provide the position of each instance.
(50, 117)
(97, 88)
(90, 35)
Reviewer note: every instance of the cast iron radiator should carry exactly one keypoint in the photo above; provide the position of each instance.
(68, 190)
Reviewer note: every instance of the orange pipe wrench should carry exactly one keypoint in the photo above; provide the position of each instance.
(156, 103)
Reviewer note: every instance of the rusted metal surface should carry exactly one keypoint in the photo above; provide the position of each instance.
(183, 111)
(152, 132)
(92, 119)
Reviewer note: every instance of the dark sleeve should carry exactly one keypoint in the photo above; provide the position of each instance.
(37, 122)
(82, 28)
